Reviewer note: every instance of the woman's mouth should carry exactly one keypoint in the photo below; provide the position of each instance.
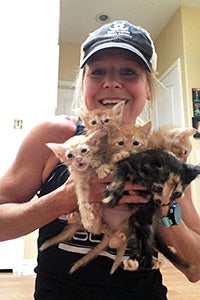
(111, 102)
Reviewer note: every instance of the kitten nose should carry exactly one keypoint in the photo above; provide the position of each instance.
(78, 159)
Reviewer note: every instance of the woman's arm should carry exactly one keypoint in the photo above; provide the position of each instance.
(185, 237)
(20, 212)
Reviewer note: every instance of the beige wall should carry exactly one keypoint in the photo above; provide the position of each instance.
(68, 61)
(180, 39)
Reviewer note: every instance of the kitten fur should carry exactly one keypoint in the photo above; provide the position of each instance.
(174, 139)
(108, 119)
(77, 153)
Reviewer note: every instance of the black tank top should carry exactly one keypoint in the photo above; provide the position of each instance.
(59, 258)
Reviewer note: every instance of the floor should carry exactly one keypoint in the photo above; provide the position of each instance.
(21, 287)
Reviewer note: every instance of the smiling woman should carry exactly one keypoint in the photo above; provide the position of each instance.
(118, 64)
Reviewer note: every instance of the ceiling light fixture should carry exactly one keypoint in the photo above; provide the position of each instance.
(102, 18)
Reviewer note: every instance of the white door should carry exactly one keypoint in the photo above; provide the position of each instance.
(65, 97)
(169, 107)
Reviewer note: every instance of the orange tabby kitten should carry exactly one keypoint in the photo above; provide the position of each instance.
(77, 153)
(108, 119)
(174, 139)
(128, 139)
(102, 118)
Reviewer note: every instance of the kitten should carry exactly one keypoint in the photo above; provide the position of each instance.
(165, 178)
(128, 139)
(108, 119)
(102, 117)
(174, 139)
(77, 153)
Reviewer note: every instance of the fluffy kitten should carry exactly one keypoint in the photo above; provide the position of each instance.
(77, 153)
(102, 118)
(128, 139)
(174, 139)
(165, 179)
(108, 119)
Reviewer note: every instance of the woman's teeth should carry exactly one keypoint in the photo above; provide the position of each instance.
(104, 102)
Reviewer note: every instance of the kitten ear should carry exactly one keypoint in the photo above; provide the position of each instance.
(94, 138)
(82, 114)
(182, 132)
(191, 172)
(146, 128)
(58, 149)
(118, 108)
(187, 132)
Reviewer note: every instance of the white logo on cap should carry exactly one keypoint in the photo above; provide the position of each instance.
(118, 29)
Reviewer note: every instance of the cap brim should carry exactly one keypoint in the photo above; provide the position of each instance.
(115, 45)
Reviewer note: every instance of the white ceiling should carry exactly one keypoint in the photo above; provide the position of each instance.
(78, 16)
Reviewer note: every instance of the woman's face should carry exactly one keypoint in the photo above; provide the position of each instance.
(112, 75)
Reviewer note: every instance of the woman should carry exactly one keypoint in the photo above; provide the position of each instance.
(117, 64)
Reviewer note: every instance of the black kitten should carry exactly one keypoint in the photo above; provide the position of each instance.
(165, 178)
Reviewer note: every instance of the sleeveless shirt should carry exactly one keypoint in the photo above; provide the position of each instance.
(58, 259)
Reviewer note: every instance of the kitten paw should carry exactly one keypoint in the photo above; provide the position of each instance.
(107, 200)
(120, 156)
(157, 263)
(117, 240)
(110, 201)
(103, 171)
(130, 264)
(73, 217)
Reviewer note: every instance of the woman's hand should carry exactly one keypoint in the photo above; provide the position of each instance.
(133, 193)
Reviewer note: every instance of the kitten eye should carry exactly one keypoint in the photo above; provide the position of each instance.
(157, 189)
(69, 155)
(84, 150)
(106, 120)
(176, 194)
(94, 122)
(121, 143)
(136, 143)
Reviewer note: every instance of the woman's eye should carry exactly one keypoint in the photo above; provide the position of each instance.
(97, 72)
(127, 72)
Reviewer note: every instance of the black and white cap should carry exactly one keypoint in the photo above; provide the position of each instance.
(124, 35)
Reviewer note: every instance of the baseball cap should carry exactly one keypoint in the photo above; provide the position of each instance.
(124, 35)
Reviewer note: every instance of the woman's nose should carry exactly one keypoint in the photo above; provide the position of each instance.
(112, 81)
